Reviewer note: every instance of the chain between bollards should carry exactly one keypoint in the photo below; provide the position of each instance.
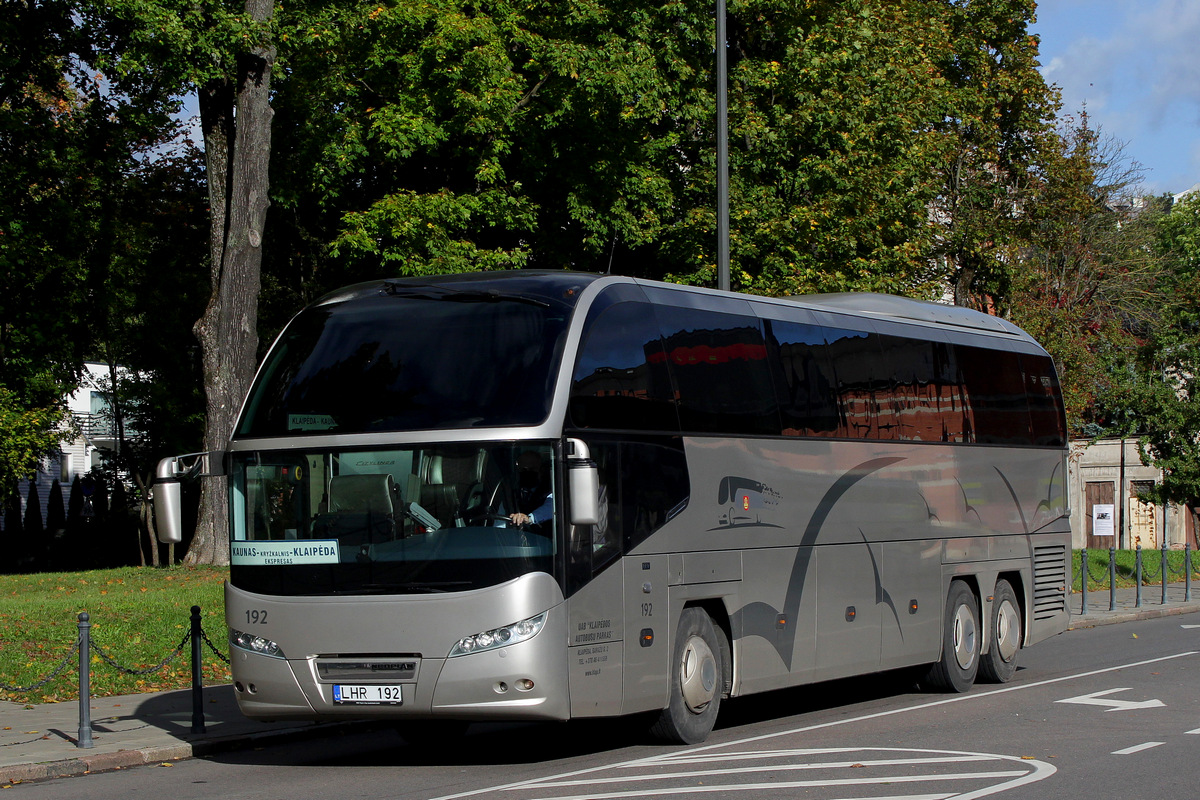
(85, 682)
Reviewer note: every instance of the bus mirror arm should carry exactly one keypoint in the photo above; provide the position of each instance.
(168, 503)
(583, 481)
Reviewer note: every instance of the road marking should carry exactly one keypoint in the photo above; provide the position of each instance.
(1189, 627)
(899, 766)
(1195, 731)
(1137, 748)
(832, 724)
(1097, 699)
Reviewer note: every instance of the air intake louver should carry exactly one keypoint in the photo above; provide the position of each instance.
(1049, 581)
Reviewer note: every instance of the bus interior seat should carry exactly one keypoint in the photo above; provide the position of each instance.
(362, 507)
(451, 483)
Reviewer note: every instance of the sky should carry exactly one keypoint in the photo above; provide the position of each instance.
(1136, 66)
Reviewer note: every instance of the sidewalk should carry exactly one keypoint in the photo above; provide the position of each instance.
(39, 741)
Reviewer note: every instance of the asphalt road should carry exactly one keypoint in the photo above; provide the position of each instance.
(1098, 713)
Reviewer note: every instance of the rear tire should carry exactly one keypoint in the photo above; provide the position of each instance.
(1000, 662)
(696, 681)
(956, 671)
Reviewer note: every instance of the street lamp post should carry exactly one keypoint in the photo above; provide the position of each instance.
(722, 154)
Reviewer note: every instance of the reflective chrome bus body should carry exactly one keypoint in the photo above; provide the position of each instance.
(404, 641)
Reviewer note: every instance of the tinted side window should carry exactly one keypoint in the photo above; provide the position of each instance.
(1045, 401)
(719, 366)
(621, 378)
(909, 407)
(995, 390)
(856, 363)
(804, 379)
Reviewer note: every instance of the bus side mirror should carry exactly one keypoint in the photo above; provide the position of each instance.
(168, 502)
(583, 481)
(168, 509)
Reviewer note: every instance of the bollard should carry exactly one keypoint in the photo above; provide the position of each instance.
(1083, 580)
(1112, 579)
(1138, 595)
(85, 682)
(197, 677)
(1164, 571)
(1187, 572)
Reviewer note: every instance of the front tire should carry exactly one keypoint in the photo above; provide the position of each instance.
(1000, 663)
(956, 670)
(696, 681)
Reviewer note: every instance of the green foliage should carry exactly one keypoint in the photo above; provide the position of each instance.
(87, 228)
(417, 137)
(1168, 386)
(139, 617)
(1090, 285)
(27, 435)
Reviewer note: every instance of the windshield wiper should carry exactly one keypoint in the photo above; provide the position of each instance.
(425, 291)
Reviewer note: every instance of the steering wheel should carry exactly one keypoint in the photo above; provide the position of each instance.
(489, 510)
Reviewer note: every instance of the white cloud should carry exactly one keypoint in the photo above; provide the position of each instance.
(1135, 66)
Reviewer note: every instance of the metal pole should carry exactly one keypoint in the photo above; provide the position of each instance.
(197, 677)
(722, 153)
(1187, 572)
(1112, 579)
(1138, 595)
(85, 682)
(1164, 571)
(1083, 579)
(1122, 537)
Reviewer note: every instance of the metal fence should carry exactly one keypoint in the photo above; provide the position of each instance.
(83, 647)
(1143, 571)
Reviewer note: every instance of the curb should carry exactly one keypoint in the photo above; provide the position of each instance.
(1133, 615)
(160, 754)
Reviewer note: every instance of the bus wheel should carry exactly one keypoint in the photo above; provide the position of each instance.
(1000, 663)
(955, 672)
(696, 681)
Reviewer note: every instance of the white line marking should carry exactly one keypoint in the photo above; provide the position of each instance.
(1137, 748)
(769, 787)
(835, 723)
(887, 762)
(1189, 627)
(1098, 699)
(763, 754)
(1195, 731)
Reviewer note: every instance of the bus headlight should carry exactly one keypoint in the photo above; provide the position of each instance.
(499, 637)
(255, 644)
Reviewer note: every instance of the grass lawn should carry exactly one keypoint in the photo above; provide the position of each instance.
(1126, 568)
(138, 615)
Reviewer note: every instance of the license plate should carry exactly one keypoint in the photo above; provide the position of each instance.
(370, 694)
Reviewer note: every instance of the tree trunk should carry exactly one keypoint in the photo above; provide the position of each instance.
(228, 331)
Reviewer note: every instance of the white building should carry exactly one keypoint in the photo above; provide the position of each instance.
(89, 406)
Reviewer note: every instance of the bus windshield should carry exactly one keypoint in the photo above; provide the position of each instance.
(433, 518)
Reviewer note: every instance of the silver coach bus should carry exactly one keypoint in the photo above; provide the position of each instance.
(546, 495)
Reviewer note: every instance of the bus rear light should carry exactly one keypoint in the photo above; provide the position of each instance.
(499, 637)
